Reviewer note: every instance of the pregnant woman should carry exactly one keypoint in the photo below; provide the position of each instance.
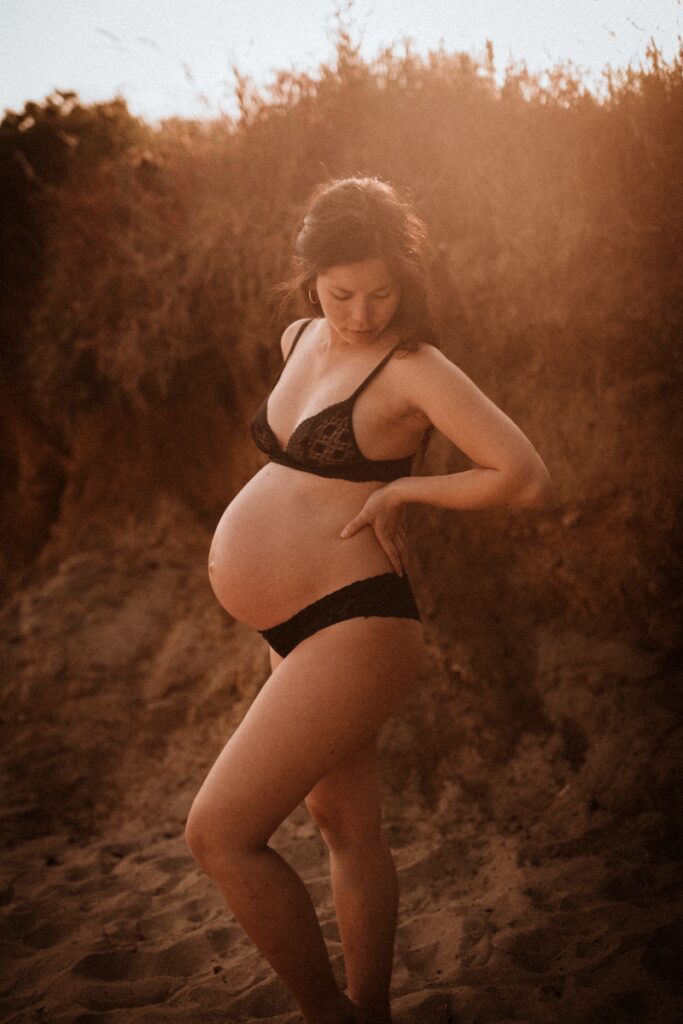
(313, 553)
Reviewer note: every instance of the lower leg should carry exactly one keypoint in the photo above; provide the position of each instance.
(273, 906)
(365, 890)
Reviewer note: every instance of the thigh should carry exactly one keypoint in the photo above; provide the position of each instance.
(346, 802)
(320, 706)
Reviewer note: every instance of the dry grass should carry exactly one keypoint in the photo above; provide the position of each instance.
(557, 214)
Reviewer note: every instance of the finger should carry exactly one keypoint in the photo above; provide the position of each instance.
(349, 528)
(403, 547)
(401, 536)
(390, 550)
(394, 557)
(404, 556)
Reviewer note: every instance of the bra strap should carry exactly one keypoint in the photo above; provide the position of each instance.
(296, 338)
(293, 346)
(385, 359)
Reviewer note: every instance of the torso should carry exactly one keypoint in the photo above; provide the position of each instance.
(277, 546)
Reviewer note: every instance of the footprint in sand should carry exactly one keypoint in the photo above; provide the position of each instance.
(435, 946)
(476, 942)
(124, 978)
(176, 866)
(184, 957)
(35, 929)
(236, 979)
(532, 949)
(266, 999)
(125, 994)
(47, 934)
(173, 918)
(181, 957)
(110, 965)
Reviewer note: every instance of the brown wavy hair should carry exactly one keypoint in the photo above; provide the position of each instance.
(351, 219)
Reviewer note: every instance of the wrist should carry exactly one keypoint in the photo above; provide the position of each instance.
(396, 492)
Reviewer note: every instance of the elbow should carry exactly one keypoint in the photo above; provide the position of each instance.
(537, 489)
(529, 484)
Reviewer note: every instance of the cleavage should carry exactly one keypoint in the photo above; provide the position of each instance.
(305, 419)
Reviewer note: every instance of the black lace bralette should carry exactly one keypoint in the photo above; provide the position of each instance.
(325, 443)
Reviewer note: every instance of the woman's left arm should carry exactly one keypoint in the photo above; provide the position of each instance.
(508, 470)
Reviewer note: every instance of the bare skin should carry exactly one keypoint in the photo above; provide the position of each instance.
(311, 733)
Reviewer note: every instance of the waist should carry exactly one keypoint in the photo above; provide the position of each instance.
(285, 492)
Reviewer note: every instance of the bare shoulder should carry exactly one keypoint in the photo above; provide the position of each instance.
(425, 359)
(438, 391)
(289, 334)
(429, 378)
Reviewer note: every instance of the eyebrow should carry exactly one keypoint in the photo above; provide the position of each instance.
(382, 288)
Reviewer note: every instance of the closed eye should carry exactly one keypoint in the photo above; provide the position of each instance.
(378, 295)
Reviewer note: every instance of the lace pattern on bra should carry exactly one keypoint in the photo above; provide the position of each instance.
(325, 443)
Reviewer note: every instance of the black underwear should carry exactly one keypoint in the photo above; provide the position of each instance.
(386, 595)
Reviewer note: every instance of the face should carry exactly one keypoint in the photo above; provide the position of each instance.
(358, 299)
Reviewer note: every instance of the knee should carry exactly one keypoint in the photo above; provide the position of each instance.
(345, 826)
(214, 840)
(199, 837)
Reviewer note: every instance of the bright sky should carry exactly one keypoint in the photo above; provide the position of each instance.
(175, 56)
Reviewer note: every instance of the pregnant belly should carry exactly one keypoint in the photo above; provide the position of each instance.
(277, 546)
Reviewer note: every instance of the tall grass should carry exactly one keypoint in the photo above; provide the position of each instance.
(557, 215)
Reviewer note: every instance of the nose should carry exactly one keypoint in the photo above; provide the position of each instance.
(360, 313)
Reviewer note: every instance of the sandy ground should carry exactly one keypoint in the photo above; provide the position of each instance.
(539, 877)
